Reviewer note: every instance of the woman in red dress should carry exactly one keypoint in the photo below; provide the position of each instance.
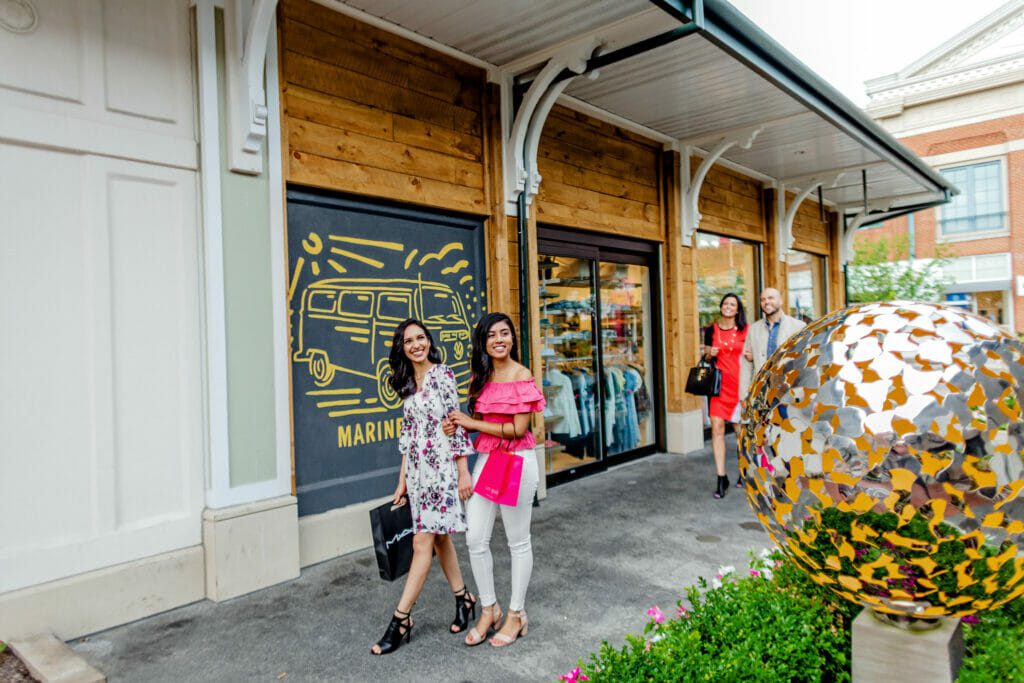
(723, 344)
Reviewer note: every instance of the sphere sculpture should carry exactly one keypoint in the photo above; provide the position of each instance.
(882, 450)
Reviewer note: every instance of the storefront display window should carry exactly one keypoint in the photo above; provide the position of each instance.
(805, 284)
(991, 305)
(598, 356)
(724, 265)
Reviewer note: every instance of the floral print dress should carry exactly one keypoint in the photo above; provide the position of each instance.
(431, 473)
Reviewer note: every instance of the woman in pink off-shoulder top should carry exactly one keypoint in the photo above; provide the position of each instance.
(502, 397)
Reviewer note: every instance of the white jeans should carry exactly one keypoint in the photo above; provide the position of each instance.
(480, 514)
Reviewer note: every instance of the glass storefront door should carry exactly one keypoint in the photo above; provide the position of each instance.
(598, 352)
(569, 358)
(627, 356)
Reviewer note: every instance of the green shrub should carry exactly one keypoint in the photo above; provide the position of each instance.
(993, 646)
(775, 624)
(754, 628)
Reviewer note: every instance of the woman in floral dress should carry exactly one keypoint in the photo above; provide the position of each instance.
(434, 475)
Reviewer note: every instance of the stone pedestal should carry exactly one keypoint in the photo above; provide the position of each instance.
(883, 653)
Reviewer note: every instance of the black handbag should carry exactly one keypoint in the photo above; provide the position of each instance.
(392, 539)
(704, 379)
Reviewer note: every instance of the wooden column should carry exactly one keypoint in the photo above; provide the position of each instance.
(680, 323)
(774, 269)
(837, 281)
(497, 226)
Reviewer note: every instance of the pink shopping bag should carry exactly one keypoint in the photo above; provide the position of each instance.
(499, 480)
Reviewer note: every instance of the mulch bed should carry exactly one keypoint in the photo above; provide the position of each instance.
(12, 670)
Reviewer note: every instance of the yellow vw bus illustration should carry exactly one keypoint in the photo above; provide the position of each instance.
(345, 325)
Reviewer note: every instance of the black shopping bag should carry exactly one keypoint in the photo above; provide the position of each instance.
(392, 539)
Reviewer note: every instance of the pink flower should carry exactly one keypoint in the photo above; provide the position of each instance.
(682, 613)
(657, 614)
(755, 573)
(647, 646)
(574, 676)
(970, 619)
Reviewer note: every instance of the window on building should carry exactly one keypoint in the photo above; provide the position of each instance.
(979, 207)
(725, 265)
(805, 285)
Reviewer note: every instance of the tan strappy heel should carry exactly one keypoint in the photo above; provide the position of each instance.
(502, 640)
(474, 637)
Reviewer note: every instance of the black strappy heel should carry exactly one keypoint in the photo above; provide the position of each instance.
(399, 628)
(722, 487)
(465, 609)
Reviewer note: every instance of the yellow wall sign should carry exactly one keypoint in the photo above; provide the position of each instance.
(356, 270)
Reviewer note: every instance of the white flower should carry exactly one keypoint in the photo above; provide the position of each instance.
(766, 574)
(716, 583)
(766, 553)
(726, 571)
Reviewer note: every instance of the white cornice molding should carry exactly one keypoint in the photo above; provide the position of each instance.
(949, 123)
(954, 82)
(969, 41)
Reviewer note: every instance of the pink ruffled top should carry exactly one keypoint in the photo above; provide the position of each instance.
(498, 403)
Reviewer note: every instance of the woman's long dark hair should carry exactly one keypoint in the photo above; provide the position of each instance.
(479, 361)
(403, 377)
(741, 314)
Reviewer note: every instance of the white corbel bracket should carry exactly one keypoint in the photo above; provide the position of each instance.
(689, 189)
(247, 26)
(860, 218)
(784, 216)
(520, 152)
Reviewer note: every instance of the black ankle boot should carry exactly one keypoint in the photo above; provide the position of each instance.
(722, 486)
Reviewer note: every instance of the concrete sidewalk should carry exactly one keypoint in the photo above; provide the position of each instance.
(606, 548)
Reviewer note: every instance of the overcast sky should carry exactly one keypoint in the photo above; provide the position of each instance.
(849, 42)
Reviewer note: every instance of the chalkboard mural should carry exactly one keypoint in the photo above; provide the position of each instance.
(356, 270)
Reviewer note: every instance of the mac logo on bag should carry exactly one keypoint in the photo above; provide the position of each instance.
(398, 537)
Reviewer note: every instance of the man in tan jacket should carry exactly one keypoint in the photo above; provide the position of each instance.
(764, 336)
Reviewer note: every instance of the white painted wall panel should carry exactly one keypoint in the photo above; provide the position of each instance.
(145, 43)
(48, 61)
(155, 341)
(101, 441)
(110, 76)
(47, 395)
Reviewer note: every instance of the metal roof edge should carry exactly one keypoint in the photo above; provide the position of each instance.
(732, 31)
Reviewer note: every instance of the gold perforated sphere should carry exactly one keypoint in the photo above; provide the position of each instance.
(882, 450)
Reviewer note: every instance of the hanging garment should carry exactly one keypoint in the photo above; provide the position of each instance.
(633, 382)
(642, 396)
(609, 408)
(619, 431)
(563, 405)
(582, 387)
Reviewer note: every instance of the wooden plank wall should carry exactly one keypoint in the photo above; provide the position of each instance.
(809, 233)
(730, 203)
(681, 320)
(597, 176)
(369, 112)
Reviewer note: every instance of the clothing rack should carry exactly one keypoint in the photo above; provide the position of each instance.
(581, 361)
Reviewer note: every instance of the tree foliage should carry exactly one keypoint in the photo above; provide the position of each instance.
(881, 270)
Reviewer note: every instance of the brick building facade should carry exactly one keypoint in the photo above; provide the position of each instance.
(961, 108)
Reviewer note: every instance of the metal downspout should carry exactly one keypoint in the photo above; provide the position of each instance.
(524, 280)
